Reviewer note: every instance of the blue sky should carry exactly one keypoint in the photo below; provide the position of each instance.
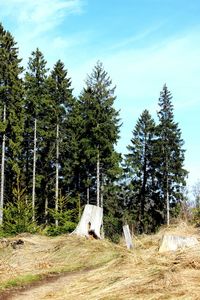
(142, 44)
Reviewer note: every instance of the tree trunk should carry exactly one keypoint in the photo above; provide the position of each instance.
(90, 222)
(2, 170)
(57, 171)
(101, 205)
(167, 193)
(46, 209)
(167, 200)
(128, 238)
(102, 189)
(88, 195)
(98, 179)
(34, 169)
(143, 192)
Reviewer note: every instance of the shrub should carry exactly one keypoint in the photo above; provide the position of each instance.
(18, 214)
(66, 216)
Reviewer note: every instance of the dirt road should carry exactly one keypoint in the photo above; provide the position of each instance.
(50, 288)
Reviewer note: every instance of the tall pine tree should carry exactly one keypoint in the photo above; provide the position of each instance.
(37, 124)
(100, 123)
(60, 93)
(140, 174)
(170, 151)
(12, 102)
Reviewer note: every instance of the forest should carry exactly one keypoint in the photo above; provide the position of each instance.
(58, 151)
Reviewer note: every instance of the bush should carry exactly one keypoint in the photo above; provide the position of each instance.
(113, 228)
(18, 215)
(66, 217)
(53, 230)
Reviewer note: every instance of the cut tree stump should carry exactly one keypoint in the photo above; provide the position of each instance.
(175, 242)
(90, 222)
(128, 238)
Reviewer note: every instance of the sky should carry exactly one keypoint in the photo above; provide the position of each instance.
(142, 44)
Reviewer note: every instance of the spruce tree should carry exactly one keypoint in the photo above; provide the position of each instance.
(171, 174)
(37, 124)
(140, 174)
(12, 100)
(100, 123)
(60, 93)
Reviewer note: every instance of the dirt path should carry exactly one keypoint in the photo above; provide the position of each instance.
(49, 288)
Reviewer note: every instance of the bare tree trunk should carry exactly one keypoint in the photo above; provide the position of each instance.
(98, 179)
(88, 195)
(46, 209)
(79, 206)
(167, 200)
(128, 238)
(167, 193)
(102, 189)
(34, 169)
(2, 170)
(102, 228)
(57, 171)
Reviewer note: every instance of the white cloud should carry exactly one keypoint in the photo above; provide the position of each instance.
(34, 18)
(35, 23)
(40, 11)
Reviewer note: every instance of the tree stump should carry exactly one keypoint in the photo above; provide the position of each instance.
(128, 238)
(90, 222)
(175, 242)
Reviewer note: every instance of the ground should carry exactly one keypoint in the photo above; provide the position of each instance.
(71, 267)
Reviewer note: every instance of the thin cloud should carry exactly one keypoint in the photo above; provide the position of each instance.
(36, 17)
(174, 61)
(38, 11)
(137, 38)
(35, 23)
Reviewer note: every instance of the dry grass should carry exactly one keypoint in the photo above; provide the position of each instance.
(112, 271)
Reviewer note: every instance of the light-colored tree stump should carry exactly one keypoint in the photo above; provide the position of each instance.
(90, 222)
(175, 242)
(128, 238)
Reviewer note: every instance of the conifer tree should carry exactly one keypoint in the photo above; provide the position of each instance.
(140, 172)
(12, 99)
(60, 93)
(171, 173)
(36, 114)
(100, 123)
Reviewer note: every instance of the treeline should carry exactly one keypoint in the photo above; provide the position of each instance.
(58, 151)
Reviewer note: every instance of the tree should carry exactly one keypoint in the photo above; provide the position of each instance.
(170, 154)
(60, 92)
(196, 193)
(100, 123)
(36, 125)
(12, 99)
(139, 166)
(2, 168)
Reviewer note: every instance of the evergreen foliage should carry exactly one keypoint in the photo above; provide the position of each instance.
(155, 177)
(12, 96)
(140, 170)
(18, 214)
(62, 103)
(100, 129)
(171, 173)
(37, 108)
(66, 214)
(68, 145)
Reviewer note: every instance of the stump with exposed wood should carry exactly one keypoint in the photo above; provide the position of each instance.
(175, 242)
(90, 222)
(128, 238)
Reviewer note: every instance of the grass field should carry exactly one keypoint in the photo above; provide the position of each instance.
(98, 269)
